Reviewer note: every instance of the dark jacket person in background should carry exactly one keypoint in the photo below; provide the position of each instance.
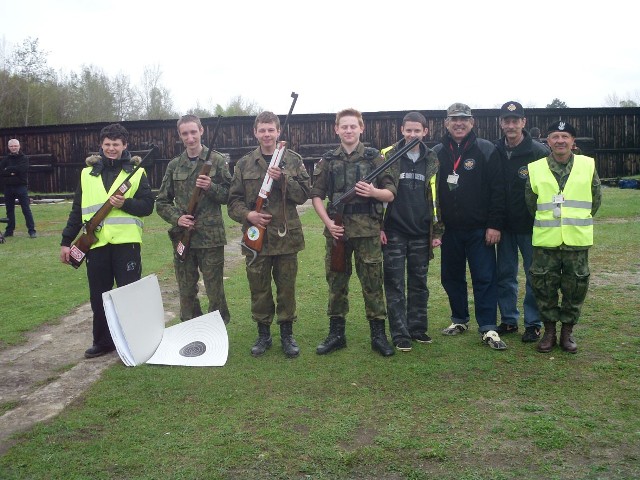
(14, 171)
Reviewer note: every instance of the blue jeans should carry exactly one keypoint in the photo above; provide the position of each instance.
(458, 248)
(508, 262)
(11, 193)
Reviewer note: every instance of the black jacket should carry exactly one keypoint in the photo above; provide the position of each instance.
(517, 218)
(478, 201)
(14, 170)
(140, 205)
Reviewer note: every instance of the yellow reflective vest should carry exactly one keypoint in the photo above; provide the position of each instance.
(563, 217)
(118, 227)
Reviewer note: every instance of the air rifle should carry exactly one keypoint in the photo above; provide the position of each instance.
(182, 248)
(253, 238)
(338, 257)
(83, 243)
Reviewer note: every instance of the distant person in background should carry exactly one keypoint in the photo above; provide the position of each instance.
(517, 150)
(563, 192)
(535, 134)
(411, 229)
(15, 175)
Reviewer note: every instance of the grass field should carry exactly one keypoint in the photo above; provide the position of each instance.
(454, 409)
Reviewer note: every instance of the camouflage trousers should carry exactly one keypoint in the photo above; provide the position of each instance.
(284, 270)
(564, 270)
(209, 261)
(407, 312)
(368, 261)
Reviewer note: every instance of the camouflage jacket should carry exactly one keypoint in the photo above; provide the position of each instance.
(248, 176)
(177, 188)
(328, 183)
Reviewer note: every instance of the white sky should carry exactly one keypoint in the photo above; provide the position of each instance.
(372, 55)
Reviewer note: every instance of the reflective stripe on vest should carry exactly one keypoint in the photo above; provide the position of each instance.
(574, 226)
(118, 227)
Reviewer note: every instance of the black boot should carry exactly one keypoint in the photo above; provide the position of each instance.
(264, 340)
(289, 345)
(379, 342)
(336, 338)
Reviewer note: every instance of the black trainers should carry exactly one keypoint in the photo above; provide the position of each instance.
(505, 328)
(421, 338)
(403, 345)
(97, 351)
(531, 334)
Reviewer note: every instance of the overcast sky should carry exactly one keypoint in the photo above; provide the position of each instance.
(371, 55)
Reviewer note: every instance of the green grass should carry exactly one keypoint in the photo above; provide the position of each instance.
(454, 409)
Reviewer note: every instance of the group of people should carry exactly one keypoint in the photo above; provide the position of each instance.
(483, 203)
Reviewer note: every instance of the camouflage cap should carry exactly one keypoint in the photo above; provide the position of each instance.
(459, 110)
(561, 126)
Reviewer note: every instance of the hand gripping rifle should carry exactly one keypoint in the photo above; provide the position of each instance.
(182, 248)
(338, 257)
(253, 238)
(83, 243)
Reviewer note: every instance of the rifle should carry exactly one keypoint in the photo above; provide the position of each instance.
(338, 257)
(182, 248)
(253, 238)
(83, 243)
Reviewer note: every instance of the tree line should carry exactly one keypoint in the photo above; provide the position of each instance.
(32, 93)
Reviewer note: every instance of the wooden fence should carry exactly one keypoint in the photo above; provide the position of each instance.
(611, 135)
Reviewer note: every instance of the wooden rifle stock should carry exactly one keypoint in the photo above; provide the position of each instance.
(253, 238)
(83, 243)
(182, 248)
(338, 257)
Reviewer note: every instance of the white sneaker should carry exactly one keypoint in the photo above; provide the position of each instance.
(455, 329)
(492, 339)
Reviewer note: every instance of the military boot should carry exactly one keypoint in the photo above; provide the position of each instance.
(264, 340)
(549, 340)
(289, 345)
(336, 338)
(379, 342)
(567, 342)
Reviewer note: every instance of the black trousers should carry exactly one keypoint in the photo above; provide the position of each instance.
(105, 265)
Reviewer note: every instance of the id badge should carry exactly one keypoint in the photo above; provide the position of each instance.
(558, 199)
(452, 181)
(557, 213)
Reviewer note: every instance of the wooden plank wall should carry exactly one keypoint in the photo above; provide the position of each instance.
(615, 133)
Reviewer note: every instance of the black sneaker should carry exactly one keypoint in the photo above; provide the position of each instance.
(8, 234)
(421, 338)
(97, 351)
(505, 328)
(403, 345)
(531, 334)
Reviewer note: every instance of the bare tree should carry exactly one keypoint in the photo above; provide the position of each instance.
(29, 62)
(155, 99)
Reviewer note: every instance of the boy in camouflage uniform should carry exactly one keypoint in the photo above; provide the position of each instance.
(563, 193)
(206, 250)
(279, 254)
(334, 174)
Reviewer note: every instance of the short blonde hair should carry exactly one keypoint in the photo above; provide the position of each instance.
(349, 112)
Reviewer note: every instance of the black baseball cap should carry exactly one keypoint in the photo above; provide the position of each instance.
(511, 109)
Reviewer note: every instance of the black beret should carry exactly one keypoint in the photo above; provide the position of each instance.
(561, 126)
